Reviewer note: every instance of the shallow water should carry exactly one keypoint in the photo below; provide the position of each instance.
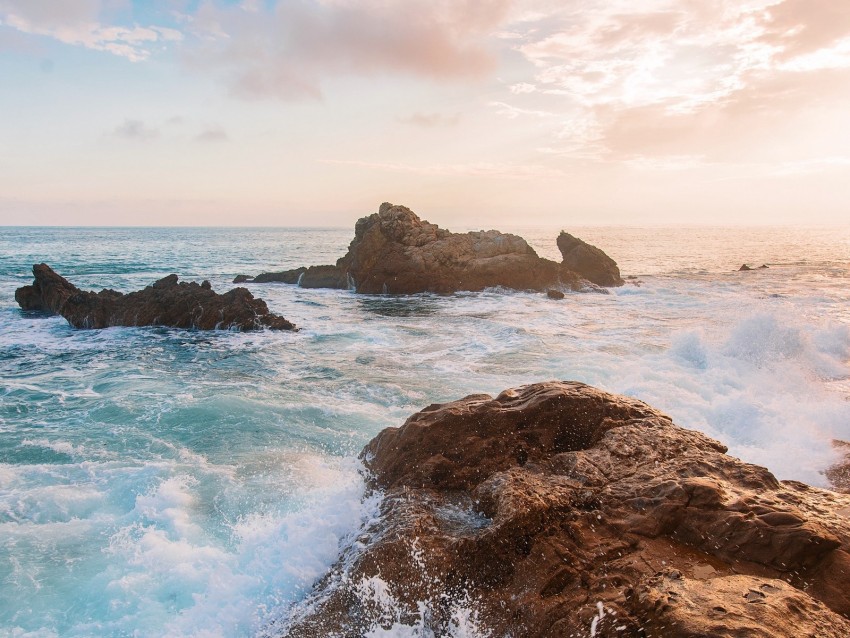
(163, 482)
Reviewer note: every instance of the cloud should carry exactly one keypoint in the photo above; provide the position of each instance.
(658, 83)
(290, 50)
(431, 120)
(77, 23)
(135, 130)
(212, 134)
(512, 112)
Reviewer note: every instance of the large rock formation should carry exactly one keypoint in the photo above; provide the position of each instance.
(557, 510)
(164, 303)
(395, 252)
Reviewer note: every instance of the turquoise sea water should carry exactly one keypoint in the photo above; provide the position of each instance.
(158, 482)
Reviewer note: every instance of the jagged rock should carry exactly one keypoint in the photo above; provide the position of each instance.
(558, 510)
(588, 261)
(163, 303)
(744, 267)
(395, 252)
(241, 279)
(554, 294)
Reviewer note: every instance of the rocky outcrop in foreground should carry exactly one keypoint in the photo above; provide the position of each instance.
(395, 252)
(166, 302)
(558, 510)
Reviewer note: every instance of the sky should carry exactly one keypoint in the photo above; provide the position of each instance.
(511, 112)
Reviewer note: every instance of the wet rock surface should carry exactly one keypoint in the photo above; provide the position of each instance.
(395, 252)
(166, 302)
(557, 510)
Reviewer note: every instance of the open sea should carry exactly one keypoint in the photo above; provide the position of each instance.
(158, 482)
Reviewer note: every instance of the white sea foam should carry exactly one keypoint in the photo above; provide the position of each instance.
(62, 447)
(759, 388)
(229, 588)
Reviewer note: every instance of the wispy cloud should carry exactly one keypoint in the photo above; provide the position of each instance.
(135, 130)
(512, 112)
(212, 134)
(289, 51)
(77, 22)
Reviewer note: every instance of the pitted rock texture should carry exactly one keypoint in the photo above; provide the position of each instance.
(559, 510)
(166, 302)
(395, 252)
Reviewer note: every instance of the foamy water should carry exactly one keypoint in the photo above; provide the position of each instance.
(171, 483)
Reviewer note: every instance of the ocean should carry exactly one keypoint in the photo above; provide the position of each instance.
(158, 482)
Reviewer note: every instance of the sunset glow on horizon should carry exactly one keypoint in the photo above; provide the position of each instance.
(508, 112)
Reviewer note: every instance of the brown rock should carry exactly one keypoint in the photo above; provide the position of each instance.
(588, 261)
(163, 303)
(557, 509)
(395, 252)
(284, 277)
(733, 606)
(554, 294)
(744, 267)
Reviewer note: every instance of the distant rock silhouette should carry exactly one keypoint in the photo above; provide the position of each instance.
(554, 294)
(166, 302)
(395, 252)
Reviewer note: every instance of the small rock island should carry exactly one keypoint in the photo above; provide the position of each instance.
(395, 252)
(166, 302)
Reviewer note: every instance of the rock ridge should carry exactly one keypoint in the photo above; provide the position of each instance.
(166, 302)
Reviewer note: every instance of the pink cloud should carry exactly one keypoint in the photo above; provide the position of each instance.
(290, 51)
(720, 80)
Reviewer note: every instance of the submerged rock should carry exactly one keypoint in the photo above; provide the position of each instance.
(166, 302)
(395, 252)
(557, 510)
(554, 294)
